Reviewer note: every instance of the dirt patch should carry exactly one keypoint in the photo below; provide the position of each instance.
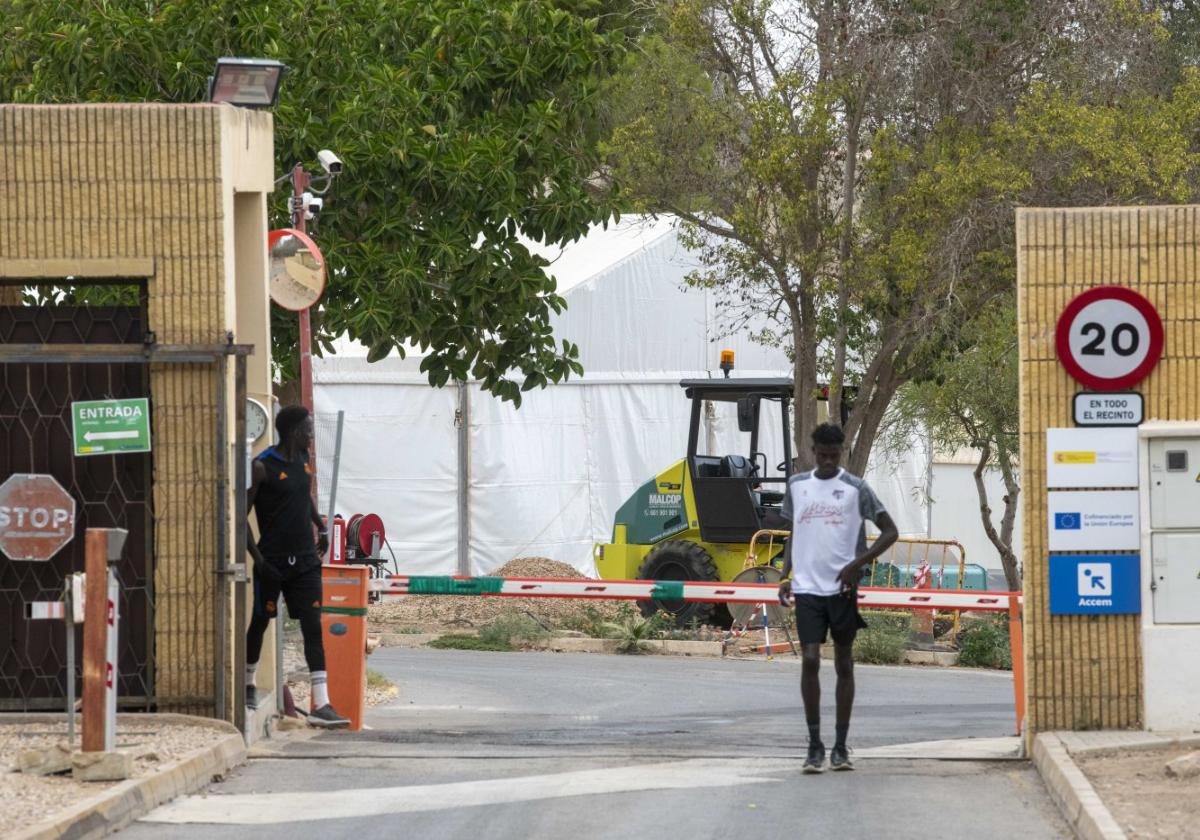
(26, 800)
(1143, 799)
(437, 613)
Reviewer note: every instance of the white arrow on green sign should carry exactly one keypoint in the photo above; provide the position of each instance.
(106, 427)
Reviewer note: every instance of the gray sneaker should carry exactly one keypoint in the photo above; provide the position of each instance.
(327, 717)
(839, 759)
(815, 763)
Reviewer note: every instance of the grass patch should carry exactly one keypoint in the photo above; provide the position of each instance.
(885, 639)
(984, 644)
(407, 630)
(880, 645)
(462, 641)
(634, 633)
(377, 680)
(513, 630)
(587, 620)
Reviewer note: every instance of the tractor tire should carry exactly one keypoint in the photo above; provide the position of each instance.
(679, 560)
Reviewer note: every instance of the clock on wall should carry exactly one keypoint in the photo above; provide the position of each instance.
(258, 420)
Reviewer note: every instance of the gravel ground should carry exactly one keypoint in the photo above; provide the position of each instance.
(376, 694)
(433, 613)
(1143, 799)
(25, 799)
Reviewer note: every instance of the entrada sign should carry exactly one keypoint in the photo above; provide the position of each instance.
(105, 427)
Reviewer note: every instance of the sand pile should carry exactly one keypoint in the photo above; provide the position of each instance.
(429, 613)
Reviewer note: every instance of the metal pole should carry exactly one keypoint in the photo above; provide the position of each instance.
(337, 461)
(69, 622)
(463, 421)
(111, 664)
(300, 182)
(221, 596)
(241, 468)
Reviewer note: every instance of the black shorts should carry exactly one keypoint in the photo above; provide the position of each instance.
(820, 615)
(298, 582)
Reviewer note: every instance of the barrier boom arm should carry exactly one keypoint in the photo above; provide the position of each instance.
(672, 590)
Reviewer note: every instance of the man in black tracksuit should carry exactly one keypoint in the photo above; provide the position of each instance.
(286, 560)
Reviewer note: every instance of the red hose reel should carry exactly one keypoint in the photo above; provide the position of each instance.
(358, 541)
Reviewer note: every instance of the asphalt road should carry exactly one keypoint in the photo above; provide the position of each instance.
(540, 745)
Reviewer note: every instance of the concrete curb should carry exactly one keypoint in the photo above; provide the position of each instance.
(123, 803)
(1072, 792)
(668, 647)
(571, 644)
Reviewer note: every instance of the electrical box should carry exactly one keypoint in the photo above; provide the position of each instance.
(1175, 577)
(1175, 483)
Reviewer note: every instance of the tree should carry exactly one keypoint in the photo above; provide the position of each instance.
(462, 123)
(967, 400)
(833, 162)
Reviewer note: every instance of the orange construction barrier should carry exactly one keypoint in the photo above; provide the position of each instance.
(344, 631)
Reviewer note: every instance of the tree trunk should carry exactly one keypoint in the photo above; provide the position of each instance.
(1007, 558)
(805, 376)
(1012, 572)
(838, 379)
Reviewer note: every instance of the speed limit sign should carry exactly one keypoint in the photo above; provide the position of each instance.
(1109, 338)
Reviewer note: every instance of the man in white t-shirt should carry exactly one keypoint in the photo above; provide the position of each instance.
(826, 510)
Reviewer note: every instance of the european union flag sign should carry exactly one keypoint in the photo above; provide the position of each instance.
(1095, 584)
(1067, 522)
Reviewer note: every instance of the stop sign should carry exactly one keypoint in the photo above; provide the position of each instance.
(37, 517)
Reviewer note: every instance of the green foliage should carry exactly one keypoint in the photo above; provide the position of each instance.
(885, 638)
(512, 629)
(633, 632)
(881, 645)
(587, 620)
(377, 680)
(985, 644)
(461, 123)
(463, 641)
(858, 193)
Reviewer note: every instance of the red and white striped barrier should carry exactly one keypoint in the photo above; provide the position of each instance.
(715, 592)
(35, 610)
(671, 590)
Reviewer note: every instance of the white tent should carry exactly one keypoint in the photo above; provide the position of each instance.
(547, 479)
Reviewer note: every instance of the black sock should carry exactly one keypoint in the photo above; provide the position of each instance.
(814, 731)
(842, 729)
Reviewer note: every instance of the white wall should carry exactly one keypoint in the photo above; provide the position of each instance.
(955, 512)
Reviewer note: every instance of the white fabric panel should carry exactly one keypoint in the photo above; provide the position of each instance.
(399, 460)
(901, 486)
(529, 482)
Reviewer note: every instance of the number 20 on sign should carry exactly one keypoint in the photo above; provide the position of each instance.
(1109, 338)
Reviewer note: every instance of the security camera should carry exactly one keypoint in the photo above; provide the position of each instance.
(312, 204)
(330, 162)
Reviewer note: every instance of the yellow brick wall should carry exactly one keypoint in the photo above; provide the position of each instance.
(111, 181)
(1085, 671)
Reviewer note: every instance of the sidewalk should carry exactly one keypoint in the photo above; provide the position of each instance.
(1114, 784)
(173, 755)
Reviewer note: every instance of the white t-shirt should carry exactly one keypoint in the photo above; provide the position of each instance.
(828, 530)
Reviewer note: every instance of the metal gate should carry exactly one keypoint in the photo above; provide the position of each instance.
(110, 492)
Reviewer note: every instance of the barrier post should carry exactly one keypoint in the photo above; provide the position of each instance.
(344, 632)
(1016, 644)
(102, 547)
